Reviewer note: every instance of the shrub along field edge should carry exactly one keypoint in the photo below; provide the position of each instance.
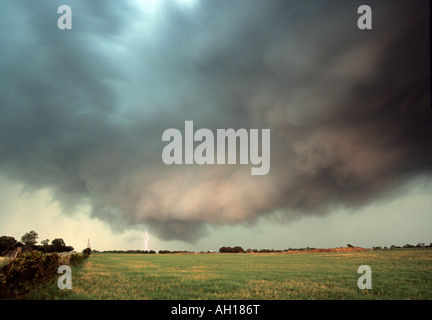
(32, 270)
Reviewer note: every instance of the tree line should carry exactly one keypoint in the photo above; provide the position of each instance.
(238, 249)
(127, 251)
(142, 251)
(9, 245)
(407, 246)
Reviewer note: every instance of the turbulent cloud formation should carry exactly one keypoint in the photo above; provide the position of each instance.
(83, 111)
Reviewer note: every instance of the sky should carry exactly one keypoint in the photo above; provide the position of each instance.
(83, 111)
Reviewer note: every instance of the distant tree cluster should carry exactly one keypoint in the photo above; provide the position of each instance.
(128, 251)
(168, 251)
(239, 249)
(236, 249)
(28, 243)
(57, 245)
(407, 246)
(278, 250)
(263, 250)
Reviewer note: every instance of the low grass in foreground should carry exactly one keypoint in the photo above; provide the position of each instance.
(396, 274)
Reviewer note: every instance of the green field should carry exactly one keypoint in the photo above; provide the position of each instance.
(396, 274)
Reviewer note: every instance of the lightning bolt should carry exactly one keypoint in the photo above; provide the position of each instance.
(146, 240)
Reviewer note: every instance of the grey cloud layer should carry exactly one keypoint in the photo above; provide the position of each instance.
(83, 111)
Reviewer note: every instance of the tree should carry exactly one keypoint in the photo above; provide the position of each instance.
(29, 238)
(237, 249)
(58, 242)
(58, 245)
(7, 244)
(45, 242)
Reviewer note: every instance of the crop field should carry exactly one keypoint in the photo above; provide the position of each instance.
(396, 274)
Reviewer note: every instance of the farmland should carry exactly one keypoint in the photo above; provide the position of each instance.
(396, 274)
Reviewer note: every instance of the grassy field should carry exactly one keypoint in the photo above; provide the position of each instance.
(396, 274)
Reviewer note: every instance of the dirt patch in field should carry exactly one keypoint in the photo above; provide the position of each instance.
(340, 249)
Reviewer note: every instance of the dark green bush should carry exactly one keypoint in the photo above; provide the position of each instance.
(87, 251)
(75, 259)
(26, 272)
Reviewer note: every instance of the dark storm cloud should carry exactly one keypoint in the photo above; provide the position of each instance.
(83, 110)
